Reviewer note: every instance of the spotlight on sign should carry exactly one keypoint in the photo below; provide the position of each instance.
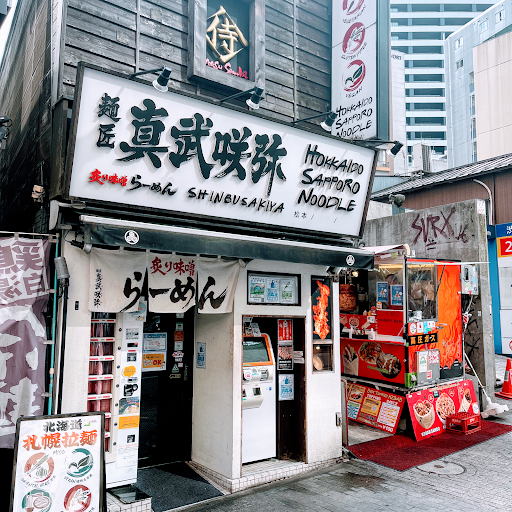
(161, 83)
(253, 102)
(326, 124)
(395, 149)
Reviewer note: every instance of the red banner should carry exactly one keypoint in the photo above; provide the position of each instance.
(430, 407)
(373, 360)
(390, 322)
(373, 407)
(285, 330)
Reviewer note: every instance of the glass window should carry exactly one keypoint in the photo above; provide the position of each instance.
(471, 82)
(398, 7)
(427, 49)
(441, 121)
(428, 106)
(421, 292)
(424, 63)
(459, 42)
(459, 64)
(472, 105)
(428, 92)
(426, 8)
(427, 78)
(482, 7)
(473, 128)
(427, 35)
(385, 282)
(426, 21)
(399, 22)
(500, 15)
(456, 21)
(475, 159)
(458, 7)
(484, 25)
(399, 35)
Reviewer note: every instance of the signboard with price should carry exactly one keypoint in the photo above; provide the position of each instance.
(373, 407)
(59, 464)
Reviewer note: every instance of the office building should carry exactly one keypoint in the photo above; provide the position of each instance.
(462, 50)
(419, 29)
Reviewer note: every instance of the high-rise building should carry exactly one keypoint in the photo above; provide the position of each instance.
(470, 137)
(418, 29)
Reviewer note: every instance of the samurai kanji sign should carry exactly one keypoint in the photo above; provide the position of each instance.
(176, 153)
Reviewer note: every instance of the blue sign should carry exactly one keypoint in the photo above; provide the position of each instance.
(382, 291)
(503, 230)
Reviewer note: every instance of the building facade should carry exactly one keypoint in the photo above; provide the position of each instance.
(461, 50)
(169, 177)
(419, 29)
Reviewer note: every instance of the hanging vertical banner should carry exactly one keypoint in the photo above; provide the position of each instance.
(216, 285)
(59, 464)
(115, 280)
(285, 344)
(354, 68)
(24, 277)
(171, 283)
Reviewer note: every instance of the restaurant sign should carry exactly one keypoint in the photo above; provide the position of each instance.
(133, 145)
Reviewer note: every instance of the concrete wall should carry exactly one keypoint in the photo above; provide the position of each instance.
(456, 232)
(216, 406)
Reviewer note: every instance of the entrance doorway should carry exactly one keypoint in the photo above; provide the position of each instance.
(166, 395)
(290, 413)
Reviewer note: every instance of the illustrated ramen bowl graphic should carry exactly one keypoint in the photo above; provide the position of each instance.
(390, 363)
(36, 500)
(444, 407)
(424, 412)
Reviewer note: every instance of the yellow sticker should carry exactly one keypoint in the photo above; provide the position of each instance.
(128, 422)
(153, 360)
(129, 371)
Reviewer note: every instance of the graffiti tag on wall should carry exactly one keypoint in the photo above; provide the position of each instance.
(438, 228)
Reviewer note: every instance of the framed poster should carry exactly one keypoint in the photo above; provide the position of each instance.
(274, 289)
(382, 291)
(155, 341)
(201, 355)
(285, 344)
(59, 463)
(321, 305)
(286, 391)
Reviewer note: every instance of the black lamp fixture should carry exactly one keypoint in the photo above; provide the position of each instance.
(161, 83)
(326, 124)
(372, 143)
(253, 102)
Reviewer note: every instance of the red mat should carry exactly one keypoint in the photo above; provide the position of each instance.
(403, 452)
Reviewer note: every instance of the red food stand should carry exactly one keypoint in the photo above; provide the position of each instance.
(401, 331)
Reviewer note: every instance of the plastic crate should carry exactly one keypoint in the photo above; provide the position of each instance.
(463, 423)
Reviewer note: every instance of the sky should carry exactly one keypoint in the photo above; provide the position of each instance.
(4, 31)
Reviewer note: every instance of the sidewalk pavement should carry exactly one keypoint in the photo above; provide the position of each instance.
(480, 481)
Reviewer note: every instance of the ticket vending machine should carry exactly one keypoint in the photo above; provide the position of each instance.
(258, 399)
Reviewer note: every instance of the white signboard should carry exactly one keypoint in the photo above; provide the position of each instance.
(59, 464)
(137, 146)
(354, 68)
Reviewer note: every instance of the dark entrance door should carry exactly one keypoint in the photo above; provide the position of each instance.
(290, 414)
(166, 396)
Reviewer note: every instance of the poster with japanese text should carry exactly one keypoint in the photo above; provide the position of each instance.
(429, 408)
(24, 278)
(285, 344)
(373, 407)
(286, 391)
(397, 295)
(382, 292)
(59, 464)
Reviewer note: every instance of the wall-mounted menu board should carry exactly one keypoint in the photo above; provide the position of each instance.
(273, 289)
